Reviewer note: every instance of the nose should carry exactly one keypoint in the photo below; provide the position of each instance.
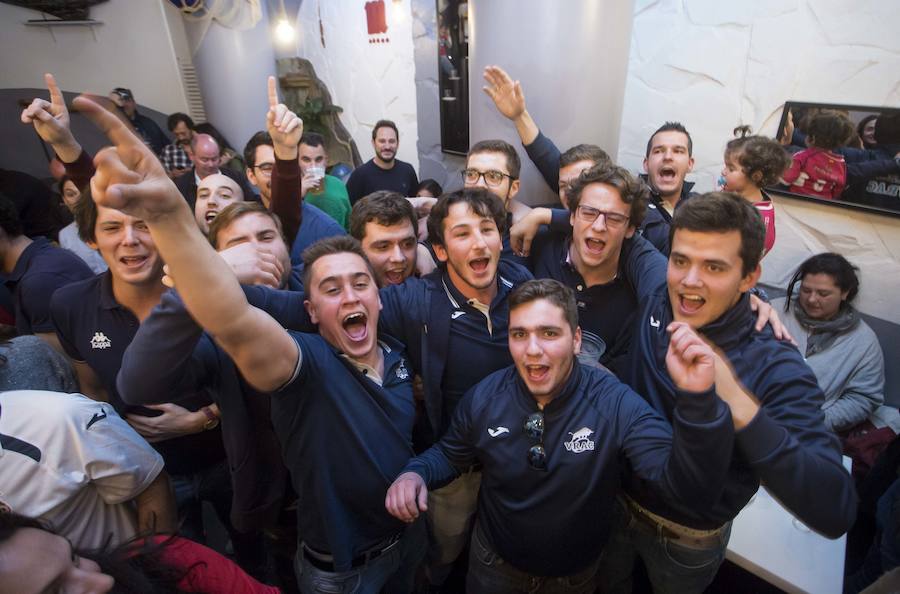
(692, 277)
(480, 182)
(479, 241)
(130, 235)
(599, 223)
(396, 254)
(534, 346)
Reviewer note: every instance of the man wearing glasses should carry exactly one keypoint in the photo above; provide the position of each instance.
(553, 438)
(495, 166)
(606, 207)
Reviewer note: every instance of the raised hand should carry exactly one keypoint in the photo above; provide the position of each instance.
(406, 497)
(766, 314)
(283, 125)
(51, 121)
(129, 177)
(523, 232)
(253, 266)
(506, 93)
(690, 361)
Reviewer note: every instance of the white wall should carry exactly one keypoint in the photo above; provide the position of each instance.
(370, 81)
(571, 61)
(132, 49)
(714, 65)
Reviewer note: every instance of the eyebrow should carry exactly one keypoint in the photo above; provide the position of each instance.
(526, 328)
(335, 278)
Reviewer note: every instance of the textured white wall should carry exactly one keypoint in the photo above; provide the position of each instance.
(370, 81)
(714, 65)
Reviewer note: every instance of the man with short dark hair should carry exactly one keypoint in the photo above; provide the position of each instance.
(34, 269)
(780, 436)
(384, 171)
(325, 192)
(174, 157)
(590, 255)
(547, 428)
(385, 224)
(153, 136)
(668, 159)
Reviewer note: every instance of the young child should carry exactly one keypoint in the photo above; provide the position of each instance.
(819, 171)
(751, 163)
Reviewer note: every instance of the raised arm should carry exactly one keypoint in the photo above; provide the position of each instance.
(285, 128)
(130, 178)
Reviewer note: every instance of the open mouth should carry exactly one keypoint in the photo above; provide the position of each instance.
(355, 326)
(210, 215)
(667, 174)
(133, 261)
(394, 277)
(690, 304)
(594, 246)
(480, 265)
(537, 373)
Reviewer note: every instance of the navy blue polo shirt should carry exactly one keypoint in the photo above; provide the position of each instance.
(344, 438)
(478, 345)
(40, 271)
(94, 328)
(316, 225)
(604, 311)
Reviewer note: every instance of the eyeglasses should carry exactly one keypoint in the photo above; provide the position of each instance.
(589, 214)
(534, 428)
(265, 168)
(492, 177)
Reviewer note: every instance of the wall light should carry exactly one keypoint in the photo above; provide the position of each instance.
(284, 31)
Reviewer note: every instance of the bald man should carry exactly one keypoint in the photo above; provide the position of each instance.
(205, 154)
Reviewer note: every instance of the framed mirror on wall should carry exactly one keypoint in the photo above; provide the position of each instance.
(453, 74)
(845, 155)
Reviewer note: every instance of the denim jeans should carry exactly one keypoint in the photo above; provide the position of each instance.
(395, 570)
(672, 567)
(490, 574)
(213, 484)
(450, 515)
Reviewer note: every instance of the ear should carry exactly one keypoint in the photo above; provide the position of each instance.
(576, 339)
(630, 232)
(513, 189)
(440, 251)
(91, 243)
(756, 177)
(251, 177)
(646, 161)
(690, 164)
(749, 281)
(311, 310)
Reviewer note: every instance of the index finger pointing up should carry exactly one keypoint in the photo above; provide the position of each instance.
(273, 92)
(111, 125)
(56, 97)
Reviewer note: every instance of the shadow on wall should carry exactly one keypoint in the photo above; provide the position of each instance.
(22, 150)
(308, 97)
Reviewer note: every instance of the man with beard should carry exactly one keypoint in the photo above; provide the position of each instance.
(384, 171)
(174, 156)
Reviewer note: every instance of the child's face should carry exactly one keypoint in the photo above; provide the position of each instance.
(735, 179)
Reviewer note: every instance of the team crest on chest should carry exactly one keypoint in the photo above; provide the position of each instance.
(580, 441)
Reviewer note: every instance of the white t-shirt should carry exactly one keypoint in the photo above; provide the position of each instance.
(73, 462)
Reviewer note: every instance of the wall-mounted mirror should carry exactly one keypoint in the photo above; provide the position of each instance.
(846, 155)
(453, 74)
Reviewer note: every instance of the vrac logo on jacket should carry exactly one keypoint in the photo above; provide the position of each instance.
(580, 441)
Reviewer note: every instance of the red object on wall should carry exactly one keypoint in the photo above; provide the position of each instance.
(375, 17)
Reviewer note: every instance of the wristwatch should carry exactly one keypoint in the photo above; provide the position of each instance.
(212, 420)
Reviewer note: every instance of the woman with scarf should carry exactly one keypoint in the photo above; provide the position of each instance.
(843, 352)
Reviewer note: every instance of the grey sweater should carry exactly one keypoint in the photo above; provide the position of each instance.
(850, 372)
(32, 364)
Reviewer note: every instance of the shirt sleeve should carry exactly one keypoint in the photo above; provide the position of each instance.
(117, 461)
(35, 293)
(545, 156)
(60, 315)
(793, 453)
(207, 570)
(286, 200)
(863, 391)
(166, 358)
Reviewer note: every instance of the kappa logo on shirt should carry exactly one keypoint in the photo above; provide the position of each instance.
(100, 341)
(580, 441)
